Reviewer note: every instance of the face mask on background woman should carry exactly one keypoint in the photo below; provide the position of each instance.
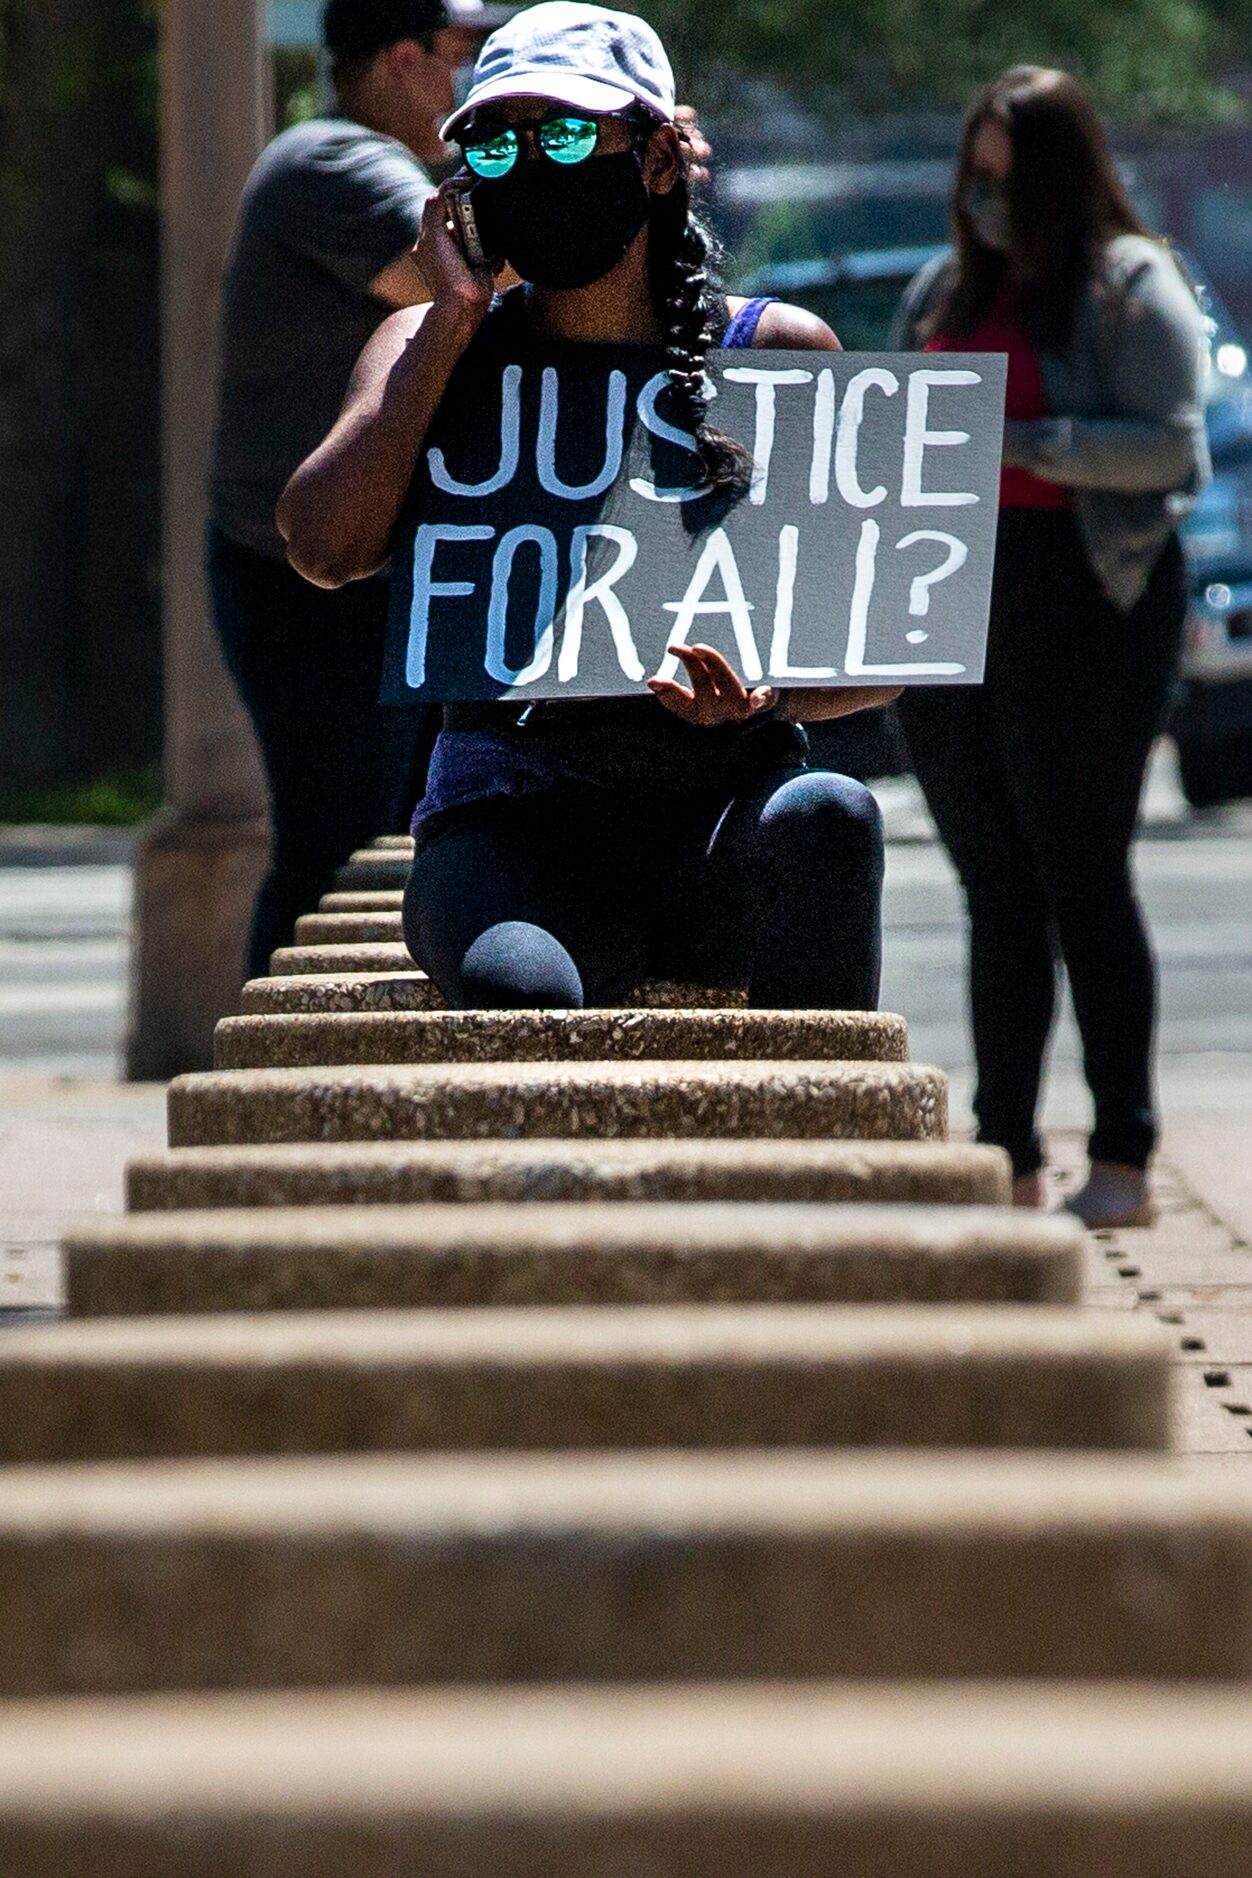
(985, 206)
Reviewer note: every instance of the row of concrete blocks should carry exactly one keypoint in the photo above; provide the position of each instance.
(219, 1527)
(727, 1782)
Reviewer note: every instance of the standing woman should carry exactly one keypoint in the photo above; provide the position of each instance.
(568, 850)
(1034, 780)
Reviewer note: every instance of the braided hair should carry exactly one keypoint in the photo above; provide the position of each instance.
(685, 259)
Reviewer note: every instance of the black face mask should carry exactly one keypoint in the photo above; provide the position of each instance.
(564, 226)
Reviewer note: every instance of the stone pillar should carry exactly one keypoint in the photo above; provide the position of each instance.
(201, 860)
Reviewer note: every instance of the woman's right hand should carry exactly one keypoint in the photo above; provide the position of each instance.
(449, 278)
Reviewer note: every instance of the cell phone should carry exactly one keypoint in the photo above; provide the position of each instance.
(465, 223)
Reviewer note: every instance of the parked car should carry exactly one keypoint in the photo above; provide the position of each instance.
(1212, 721)
(858, 293)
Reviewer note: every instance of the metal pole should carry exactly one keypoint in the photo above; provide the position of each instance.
(201, 860)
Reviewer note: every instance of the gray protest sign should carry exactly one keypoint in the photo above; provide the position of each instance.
(557, 540)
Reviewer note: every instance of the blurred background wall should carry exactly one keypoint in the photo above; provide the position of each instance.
(79, 384)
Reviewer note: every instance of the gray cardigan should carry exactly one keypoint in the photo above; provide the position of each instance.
(1128, 434)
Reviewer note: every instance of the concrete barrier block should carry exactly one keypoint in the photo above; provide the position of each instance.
(792, 1781)
(857, 1101)
(460, 1172)
(361, 991)
(311, 1040)
(365, 1571)
(369, 1257)
(373, 871)
(686, 1376)
(338, 961)
(382, 902)
(349, 929)
(383, 978)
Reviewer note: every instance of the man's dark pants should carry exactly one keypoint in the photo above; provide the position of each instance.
(342, 768)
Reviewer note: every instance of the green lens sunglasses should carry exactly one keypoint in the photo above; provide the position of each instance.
(563, 139)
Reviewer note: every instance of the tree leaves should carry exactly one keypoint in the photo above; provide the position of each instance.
(1151, 60)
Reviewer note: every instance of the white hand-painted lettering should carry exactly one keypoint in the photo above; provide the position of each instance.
(767, 382)
(614, 439)
(498, 612)
(659, 427)
(584, 593)
(954, 561)
(780, 665)
(851, 415)
(507, 573)
(510, 446)
(858, 622)
(824, 404)
(918, 438)
(716, 557)
(426, 588)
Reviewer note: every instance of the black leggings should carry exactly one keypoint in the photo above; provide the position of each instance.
(1034, 783)
(571, 898)
(341, 767)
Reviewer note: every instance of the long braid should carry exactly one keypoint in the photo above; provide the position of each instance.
(686, 291)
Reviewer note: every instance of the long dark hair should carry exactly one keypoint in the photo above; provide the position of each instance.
(684, 260)
(1066, 201)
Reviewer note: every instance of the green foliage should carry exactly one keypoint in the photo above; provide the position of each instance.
(130, 191)
(296, 94)
(115, 801)
(779, 231)
(1151, 60)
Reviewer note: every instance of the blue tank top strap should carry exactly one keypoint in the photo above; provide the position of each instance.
(742, 329)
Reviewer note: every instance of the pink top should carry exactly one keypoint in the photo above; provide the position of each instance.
(1026, 397)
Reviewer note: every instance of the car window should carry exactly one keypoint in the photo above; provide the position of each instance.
(1223, 225)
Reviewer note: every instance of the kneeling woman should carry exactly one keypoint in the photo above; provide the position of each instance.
(568, 851)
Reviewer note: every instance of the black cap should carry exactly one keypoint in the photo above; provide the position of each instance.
(356, 29)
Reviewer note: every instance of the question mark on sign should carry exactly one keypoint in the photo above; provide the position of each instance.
(919, 592)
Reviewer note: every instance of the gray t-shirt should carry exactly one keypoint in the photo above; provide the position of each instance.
(327, 208)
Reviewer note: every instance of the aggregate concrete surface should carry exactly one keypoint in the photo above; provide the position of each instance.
(276, 1258)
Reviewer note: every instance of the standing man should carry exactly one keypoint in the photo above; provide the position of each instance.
(322, 254)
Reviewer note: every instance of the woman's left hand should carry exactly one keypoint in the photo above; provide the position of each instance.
(717, 696)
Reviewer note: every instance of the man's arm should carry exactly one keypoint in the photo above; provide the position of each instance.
(352, 204)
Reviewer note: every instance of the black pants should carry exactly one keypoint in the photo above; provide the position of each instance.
(341, 767)
(1034, 783)
(571, 898)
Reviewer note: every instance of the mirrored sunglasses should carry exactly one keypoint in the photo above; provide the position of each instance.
(564, 139)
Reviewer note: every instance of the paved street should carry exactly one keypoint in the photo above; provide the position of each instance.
(1198, 891)
(63, 962)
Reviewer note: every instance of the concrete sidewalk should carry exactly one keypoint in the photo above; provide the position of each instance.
(64, 1146)
(1192, 1271)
